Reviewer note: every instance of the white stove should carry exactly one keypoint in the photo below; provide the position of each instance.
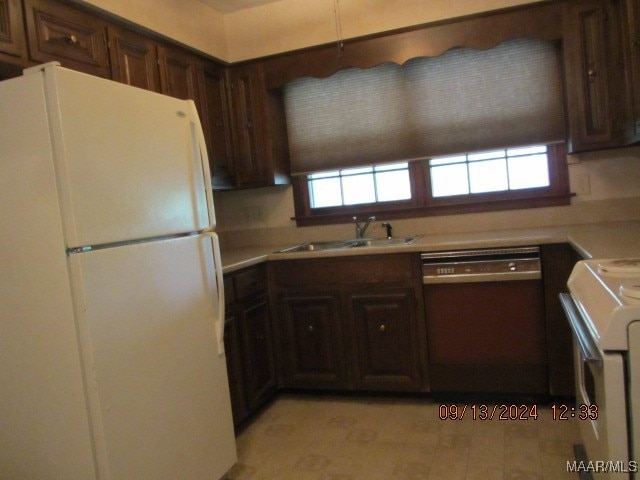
(603, 309)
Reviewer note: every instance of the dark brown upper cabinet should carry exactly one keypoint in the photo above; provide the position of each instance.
(134, 58)
(12, 41)
(596, 75)
(217, 125)
(57, 32)
(259, 130)
(178, 73)
(633, 39)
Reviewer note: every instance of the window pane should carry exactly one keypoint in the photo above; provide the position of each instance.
(528, 172)
(488, 176)
(393, 185)
(449, 180)
(325, 193)
(358, 189)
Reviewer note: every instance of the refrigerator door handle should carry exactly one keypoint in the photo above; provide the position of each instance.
(204, 161)
(219, 321)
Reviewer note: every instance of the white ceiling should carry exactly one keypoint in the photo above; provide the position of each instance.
(228, 6)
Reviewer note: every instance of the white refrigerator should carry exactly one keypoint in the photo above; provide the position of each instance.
(112, 362)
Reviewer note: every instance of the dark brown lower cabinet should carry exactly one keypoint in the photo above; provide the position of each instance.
(353, 323)
(257, 353)
(248, 342)
(311, 340)
(233, 352)
(558, 260)
(385, 351)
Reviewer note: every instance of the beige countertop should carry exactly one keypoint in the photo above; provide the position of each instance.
(598, 240)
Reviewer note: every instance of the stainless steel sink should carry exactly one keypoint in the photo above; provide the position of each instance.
(383, 242)
(310, 247)
(354, 243)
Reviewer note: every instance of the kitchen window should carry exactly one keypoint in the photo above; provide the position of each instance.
(509, 178)
(353, 186)
(492, 171)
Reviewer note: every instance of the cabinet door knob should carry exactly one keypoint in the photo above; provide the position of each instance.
(310, 328)
(70, 40)
(382, 327)
(591, 72)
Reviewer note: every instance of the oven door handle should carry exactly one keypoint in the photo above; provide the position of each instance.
(588, 348)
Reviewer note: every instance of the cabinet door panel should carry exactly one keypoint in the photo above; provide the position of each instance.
(259, 369)
(248, 166)
(218, 133)
(178, 74)
(312, 340)
(72, 37)
(233, 352)
(11, 30)
(596, 77)
(385, 340)
(133, 59)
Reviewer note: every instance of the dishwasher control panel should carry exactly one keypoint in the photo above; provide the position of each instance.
(481, 265)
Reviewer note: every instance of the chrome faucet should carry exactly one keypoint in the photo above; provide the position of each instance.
(360, 229)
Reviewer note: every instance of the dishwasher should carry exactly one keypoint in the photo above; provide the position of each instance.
(484, 311)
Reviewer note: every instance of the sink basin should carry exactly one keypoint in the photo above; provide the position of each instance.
(310, 247)
(354, 243)
(383, 242)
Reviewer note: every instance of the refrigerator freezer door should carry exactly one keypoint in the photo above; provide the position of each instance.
(128, 160)
(158, 388)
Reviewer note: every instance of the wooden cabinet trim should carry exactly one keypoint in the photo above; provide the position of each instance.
(12, 39)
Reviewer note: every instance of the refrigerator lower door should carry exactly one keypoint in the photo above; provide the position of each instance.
(159, 392)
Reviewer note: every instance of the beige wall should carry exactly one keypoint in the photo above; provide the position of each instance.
(189, 22)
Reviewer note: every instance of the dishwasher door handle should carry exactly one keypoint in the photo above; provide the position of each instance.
(482, 277)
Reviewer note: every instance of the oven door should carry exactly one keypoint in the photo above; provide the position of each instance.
(600, 407)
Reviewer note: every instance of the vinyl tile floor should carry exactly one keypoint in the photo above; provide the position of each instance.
(338, 438)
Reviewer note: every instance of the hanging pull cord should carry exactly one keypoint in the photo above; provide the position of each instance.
(336, 13)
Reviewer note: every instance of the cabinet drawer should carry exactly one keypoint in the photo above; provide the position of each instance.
(72, 37)
(250, 282)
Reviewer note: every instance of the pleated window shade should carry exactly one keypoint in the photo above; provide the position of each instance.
(463, 101)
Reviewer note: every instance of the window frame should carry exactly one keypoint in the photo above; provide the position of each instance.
(423, 204)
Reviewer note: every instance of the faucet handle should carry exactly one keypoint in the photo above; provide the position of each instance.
(388, 227)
